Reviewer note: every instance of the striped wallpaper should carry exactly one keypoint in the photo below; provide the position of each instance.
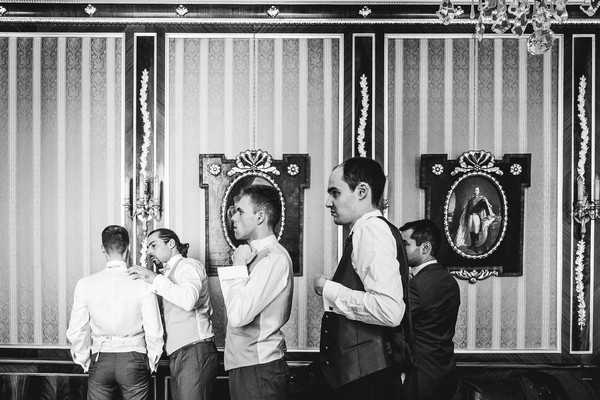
(452, 94)
(61, 134)
(228, 93)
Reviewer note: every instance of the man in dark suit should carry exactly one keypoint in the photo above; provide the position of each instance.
(434, 301)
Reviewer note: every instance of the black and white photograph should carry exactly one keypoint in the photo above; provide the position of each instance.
(292, 200)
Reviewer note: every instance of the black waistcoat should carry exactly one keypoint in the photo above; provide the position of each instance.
(351, 349)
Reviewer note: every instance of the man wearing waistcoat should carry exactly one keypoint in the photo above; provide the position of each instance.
(364, 302)
(434, 302)
(115, 330)
(183, 288)
(257, 291)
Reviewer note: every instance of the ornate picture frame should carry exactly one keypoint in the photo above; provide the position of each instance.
(478, 202)
(222, 180)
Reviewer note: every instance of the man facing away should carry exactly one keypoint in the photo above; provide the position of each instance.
(257, 291)
(364, 302)
(183, 287)
(117, 320)
(434, 302)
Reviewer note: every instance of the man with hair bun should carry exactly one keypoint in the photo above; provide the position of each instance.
(183, 287)
(257, 291)
(117, 321)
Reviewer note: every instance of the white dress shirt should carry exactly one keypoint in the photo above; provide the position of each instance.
(258, 305)
(113, 313)
(415, 270)
(374, 260)
(186, 302)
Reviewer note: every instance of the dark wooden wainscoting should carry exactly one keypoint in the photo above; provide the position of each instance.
(49, 374)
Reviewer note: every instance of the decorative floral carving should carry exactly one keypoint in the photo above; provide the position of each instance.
(181, 10)
(579, 287)
(90, 10)
(474, 275)
(3, 11)
(147, 128)
(253, 160)
(364, 114)
(516, 169)
(365, 12)
(437, 169)
(476, 160)
(273, 12)
(585, 133)
(293, 169)
(214, 169)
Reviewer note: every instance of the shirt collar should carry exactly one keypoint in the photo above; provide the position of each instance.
(116, 265)
(418, 268)
(173, 261)
(260, 244)
(363, 218)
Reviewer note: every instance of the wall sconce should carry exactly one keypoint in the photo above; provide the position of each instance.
(584, 210)
(147, 206)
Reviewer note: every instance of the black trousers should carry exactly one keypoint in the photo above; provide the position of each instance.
(267, 381)
(381, 385)
(128, 372)
(194, 370)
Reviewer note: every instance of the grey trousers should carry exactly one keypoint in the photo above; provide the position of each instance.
(127, 372)
(267, 381)
(194, 370)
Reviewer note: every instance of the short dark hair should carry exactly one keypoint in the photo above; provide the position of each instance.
(361, 169)
(115, 239)
(265, 198)
(166, 234)
(424, 230)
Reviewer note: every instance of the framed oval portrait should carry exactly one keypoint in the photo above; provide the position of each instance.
(475, 215)
(233, 191)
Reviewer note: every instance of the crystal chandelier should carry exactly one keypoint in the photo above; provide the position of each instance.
(515, 16)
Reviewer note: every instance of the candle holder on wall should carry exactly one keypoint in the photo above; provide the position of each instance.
(585, 210)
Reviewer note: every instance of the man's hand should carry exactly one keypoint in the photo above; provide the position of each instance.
(137, 272)
(319, 284)
(243, 255)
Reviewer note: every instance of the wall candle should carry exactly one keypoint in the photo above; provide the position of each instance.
(580, 189)
(597, 188)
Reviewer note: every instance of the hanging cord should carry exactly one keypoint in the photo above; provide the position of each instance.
(254, 59)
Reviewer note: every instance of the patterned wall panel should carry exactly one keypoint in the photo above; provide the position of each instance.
(228, 93)
(449, 95)
(61, 133)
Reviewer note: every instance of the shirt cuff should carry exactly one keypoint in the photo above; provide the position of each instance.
(331, 290)
(156, 283)
(233, 272)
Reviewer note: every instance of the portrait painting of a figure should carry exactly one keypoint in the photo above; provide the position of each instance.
(475, 216)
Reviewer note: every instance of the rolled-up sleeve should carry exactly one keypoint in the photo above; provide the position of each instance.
(374, 260)
(79, 333)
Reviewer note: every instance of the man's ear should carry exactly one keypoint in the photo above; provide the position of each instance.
(171, 243)
(260, 216)
(426, 248)
(363, 190)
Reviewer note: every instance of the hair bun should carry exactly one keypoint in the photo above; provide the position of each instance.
(183, 249)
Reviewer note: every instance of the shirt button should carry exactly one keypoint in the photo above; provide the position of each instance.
(325, 331)
(326, 347)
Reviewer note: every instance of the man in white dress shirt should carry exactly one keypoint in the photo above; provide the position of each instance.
(257, 291)
(115, 329)
(364, 301)
(183, 287)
